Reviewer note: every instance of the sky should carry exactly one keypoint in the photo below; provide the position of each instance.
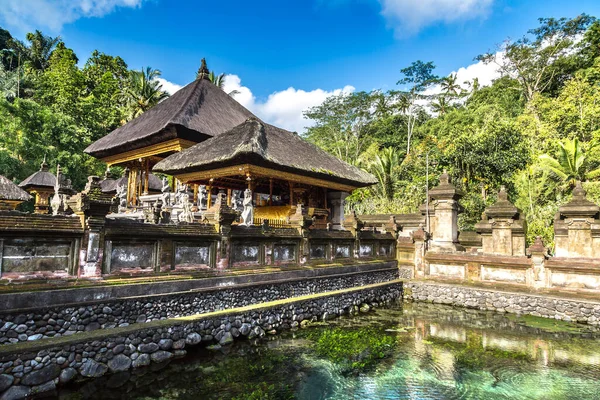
(286, 56)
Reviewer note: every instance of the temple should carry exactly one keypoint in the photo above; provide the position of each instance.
(211, 145)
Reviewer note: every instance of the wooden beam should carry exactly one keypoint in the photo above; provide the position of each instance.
(153, 152)
(256, 171)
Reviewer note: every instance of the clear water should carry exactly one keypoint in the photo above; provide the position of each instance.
(417, 351)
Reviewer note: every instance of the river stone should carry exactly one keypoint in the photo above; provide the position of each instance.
(16, 392)
(47, 387)
(178, 345)
(148, 348)
(226, 339)
(165, 344)
(21, 328)
(142, 361)
(161, 356)
(364, 308)
(5, 382)
(118, 349)
(93, 369)
(119, 363)
(41, 375)
(67, 375)
(245, 329)
(193, 339)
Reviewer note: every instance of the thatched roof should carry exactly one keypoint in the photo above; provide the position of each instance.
(258, 143)
(41, 178)
(10, 191)
(195, 112)
(108, 185)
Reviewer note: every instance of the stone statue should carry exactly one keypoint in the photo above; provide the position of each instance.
(236, 200)
(182, 189)
(165, 197)
(122, 195)
(202, 197)
(186, 214)
(58, 201)
(248, 213)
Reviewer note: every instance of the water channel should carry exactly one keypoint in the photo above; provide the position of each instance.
(410, 351)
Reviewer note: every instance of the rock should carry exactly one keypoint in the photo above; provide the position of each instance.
(148, 348)
(304, 323)
(118, 349)
(226, 339)
(119, 363)
(165, 344)
(214, 347)
(16, 392)
(46, 388)
(364, 308)
(142, 361)
(193, 339)
(5, 382)
(41, 375)
(107, 310)
(92, 326)
(21, 328)
(37, 336)
(67, 375)
(93, 369)
(179, 353)
(245, 329)
(161, 356)
(178, 345)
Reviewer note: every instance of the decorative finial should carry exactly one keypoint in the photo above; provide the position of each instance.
(44, 166)
(502, 195)
(579, 191)
(203, 71)
(445, 178)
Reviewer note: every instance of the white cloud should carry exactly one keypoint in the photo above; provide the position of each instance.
(283, 108)
(408, 17)
(167, 86)
(53, 14)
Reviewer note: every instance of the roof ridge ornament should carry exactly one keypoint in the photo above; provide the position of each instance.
(203, 71)
(44, 166)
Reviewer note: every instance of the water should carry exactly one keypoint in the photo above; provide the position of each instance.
(418, 351)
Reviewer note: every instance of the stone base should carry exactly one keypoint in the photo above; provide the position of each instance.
(446, 247)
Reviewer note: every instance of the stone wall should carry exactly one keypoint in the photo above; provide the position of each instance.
(33, 370)
(503, 301)
(68, 320)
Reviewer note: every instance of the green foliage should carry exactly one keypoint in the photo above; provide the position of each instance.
(355, 350)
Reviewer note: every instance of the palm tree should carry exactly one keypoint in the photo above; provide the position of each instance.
(449, 85)
(384, 167)
(440, 106)
(143, 91)
(570, 164)
(382, 104)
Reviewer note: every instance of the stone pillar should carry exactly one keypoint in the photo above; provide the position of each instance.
(353, 224)
(538, 253)
(502, 228)
(445, 204)
(419, 238)
(92, 206)
(302, 222)
(337, 201)
(222, 216)
(577, 227)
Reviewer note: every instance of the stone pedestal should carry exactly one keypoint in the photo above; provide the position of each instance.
(222, 216)
(577, 227)
(336, 202)
(502, 228)
(444, 202)
(538, 253)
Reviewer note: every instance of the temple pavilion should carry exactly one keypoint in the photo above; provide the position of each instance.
(204, 138)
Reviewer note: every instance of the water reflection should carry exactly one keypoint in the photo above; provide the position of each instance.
(420, 351)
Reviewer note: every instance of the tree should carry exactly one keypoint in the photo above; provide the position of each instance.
(143, 91)
(418, 77)
(385, 169)
(440, 105)
(571, 163)
(449, 86)
(530, 59)
(341, 124)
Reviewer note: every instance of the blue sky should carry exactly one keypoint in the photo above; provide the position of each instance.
(295, 51)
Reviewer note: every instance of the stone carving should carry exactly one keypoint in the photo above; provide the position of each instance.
(166, 193)
(61, 187)
(202, 197)
(186, 215)
(248, 213)
(122, 196)
(236, 200)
